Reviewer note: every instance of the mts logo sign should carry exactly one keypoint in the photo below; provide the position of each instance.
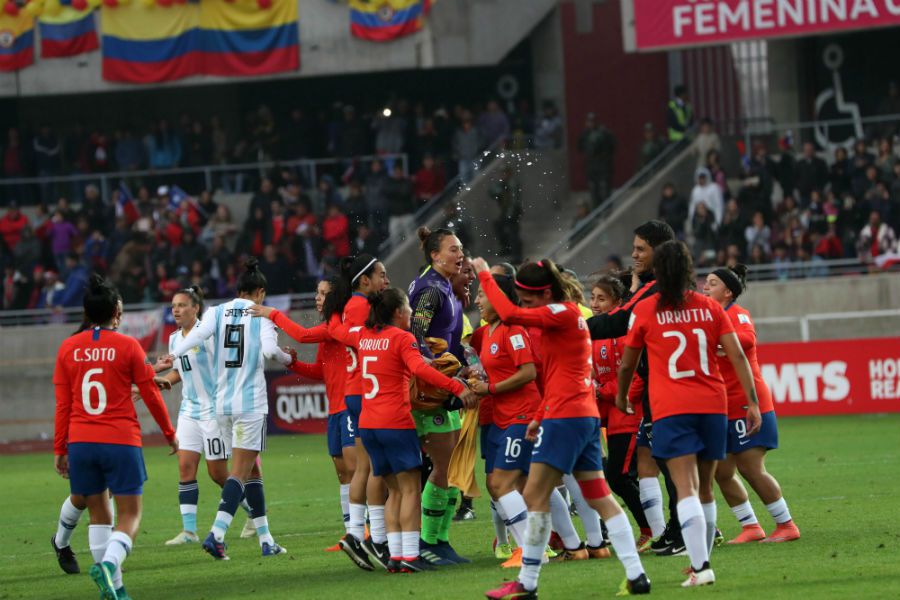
(807, 381)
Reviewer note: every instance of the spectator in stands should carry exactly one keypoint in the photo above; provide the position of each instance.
(860, 162)
(355, 207)
(707, 141)
(786, 167)
(47, 152)
(758, 234)
(279, 222)
(493, 124)
(297, 141)
(129, 152)
(390, 131)
(829, 246)
(219, 258)
(673, 209)
(336, 231)
(351, 139)
(890, 105)
(14, 287)
(708, 193)
(76, 279)
(94, 251)
(548, 131)
(257, 232)
(507, 193)
(219, 225)
(839, 173)
(164, 284)
(731, 231)
(99, 154)
(326, 194)
(198, 145)
(597, 145)
(429, 180)
(51, 292)
(651, 146)
(758, 183)
(98, 215)
(716, 173)
(704, 232)
(364, 241)
(467, 144)
(811, 174)
(11, 226)
(62, 234)
(878, 198)
(190, 249)
(875, 239)
(121, 234)
(263, 198)
(15, 157)
(27, 253)
(398, 191)
(275, 268)
(781, 260)
(886, 160)
(163, 146)
(679, 115)
(376, 201)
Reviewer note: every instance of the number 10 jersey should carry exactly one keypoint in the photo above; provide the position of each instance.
(198, 382)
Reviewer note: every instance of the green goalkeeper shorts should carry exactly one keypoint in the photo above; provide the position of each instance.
(437, 420)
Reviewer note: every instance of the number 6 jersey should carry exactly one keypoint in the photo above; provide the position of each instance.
(198, 380)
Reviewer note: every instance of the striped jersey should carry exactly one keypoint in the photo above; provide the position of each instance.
(241, 344)
(198, 378)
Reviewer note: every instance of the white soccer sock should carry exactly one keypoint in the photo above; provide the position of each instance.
(744, 514)
(98, 538)
(68, 519)
(512, 506)
(345, 504)
(693, 530)
(622, 539)
(589, 517)
(651, 502)
(221, 524)
(499, 521)
(376, 524)
(117, 549)
(357, 524)
(537, 534)
(262, 531)
(709, 515)
(779, 511)
(395, 544)
(562, 521)
(410, 545)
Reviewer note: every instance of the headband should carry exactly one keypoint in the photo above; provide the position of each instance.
(730, 280)
(364, 269)
(533, 288)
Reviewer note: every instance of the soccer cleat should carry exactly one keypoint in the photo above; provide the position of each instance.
(634, 587)
(445, 550)
(599, 551)
(669, 543)
(511, 590)
(184, 537)
(643, 543)
(664, 541)
(515, 561)
(784, 532)
(249, 529)
(718, 538)
(272, 549)
(556, 542)
(102, 575)
(66, 558)
(394, 566)
(579, 553)
(749, 533)
(415, 566)
(698, 578)
(431, 553)
(336, 547)
(550, 552)
(503, 551)
(464, 513)
(379, 553)
(215, 548)
(353, 548)
(121, 594)
(677, 548)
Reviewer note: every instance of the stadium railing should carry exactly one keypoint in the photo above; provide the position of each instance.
(802, 270)
(823, 326)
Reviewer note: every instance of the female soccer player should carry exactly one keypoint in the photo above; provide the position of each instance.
(330, 366)
(607, 292)
(565, 429)
(241, 345)
(97, 442)
(747, 453)
(437, 312)
(388, 355)
(680, 329)
(348, 304)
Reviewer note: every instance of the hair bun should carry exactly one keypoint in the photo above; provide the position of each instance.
(740, 270)
(96, 282)
(375, 299)
(252, 264)
(197, 290)
(423, 232)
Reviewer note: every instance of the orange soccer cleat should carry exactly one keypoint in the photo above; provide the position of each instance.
(336, 547)
(515, 561)
(784, 532)
(750, 533)
(579, 553)
(598, 552)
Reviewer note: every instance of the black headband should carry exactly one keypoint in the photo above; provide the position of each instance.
(730, 280)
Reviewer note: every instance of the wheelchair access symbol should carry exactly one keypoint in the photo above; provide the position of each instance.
(833, 58)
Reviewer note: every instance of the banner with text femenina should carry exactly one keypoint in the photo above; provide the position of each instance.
(672, 23)
(833, 377)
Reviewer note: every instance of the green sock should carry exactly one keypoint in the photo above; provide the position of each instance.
(434, 508)
(452, 497)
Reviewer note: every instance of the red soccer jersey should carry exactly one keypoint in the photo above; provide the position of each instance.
(502, 353)
(387, 359)
(565, 351)
(681, 351)
(93, 377)
(485, 404)
(330, 366)
(355, 314)
(737, 399)
(607, 358)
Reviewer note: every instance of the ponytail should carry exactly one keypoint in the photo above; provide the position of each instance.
(674, 270)
(252, 278)
(383, 305)
(101, 299)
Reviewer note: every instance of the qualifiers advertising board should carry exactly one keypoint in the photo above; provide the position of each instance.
(833, 377)
(672, 23)
(296, 404)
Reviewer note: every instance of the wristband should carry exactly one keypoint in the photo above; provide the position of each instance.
(492, 389)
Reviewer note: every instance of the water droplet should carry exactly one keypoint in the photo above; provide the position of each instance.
(529, 163)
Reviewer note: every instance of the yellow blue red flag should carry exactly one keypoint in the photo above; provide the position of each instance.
(68, 33)
(16, 41)
(385, 20)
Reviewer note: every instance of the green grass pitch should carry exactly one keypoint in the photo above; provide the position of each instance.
(841, 477)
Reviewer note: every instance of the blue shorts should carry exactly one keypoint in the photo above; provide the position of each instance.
(766, 437)
(569, 445)
(392, 450)
(680, 435)
(354, 409)
(95, 467)
(508, 449)
(645, 434)
(340, 435)
(483, 441)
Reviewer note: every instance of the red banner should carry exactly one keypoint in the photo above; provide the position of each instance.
(671, 23)
(296, 404)
(833, 377)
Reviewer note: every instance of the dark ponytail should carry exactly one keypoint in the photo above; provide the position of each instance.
(101, 299)
(252, 278)
(351, 273)
(674, 270)
(195, 294)
(430, 241)
(383, 306)
(539, 276)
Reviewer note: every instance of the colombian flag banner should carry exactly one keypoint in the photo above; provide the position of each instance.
(68, 33)
(239, 39)
(16, 41)
(385, 20)
(142, 45)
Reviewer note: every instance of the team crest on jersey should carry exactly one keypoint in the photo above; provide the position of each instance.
(603, 352)
(494, 348)
(742, 318)
(556, 308)
(438, 420)
(517, 341)
(415, 345)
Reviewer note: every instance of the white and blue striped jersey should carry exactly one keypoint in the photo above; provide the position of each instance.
(241, 345)
(198, 378)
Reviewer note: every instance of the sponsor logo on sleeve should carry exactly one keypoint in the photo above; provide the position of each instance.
(517, 341)
(556, 308)
(742, 318)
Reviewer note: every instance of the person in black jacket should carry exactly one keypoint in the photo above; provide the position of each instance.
(615, 324)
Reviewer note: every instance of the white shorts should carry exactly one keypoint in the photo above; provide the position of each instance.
(203, 437)
(246, 431)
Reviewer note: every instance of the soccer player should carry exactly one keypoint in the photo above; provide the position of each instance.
(461, 284)
(330, 366)
(679, 330)
(97, 441)
(565, 429)
(437, 313)
(241, 344)
(389, 355)
(747, 453)
(347, 306)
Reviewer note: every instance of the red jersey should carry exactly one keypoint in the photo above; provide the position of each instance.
(355, 314)
(535, 334)
(93, 377)
(330, 365)
(681, 351)
(485, 404)
(607, 358)
(387, 359)
(503, 351)
(565, 349)
(737, 399)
